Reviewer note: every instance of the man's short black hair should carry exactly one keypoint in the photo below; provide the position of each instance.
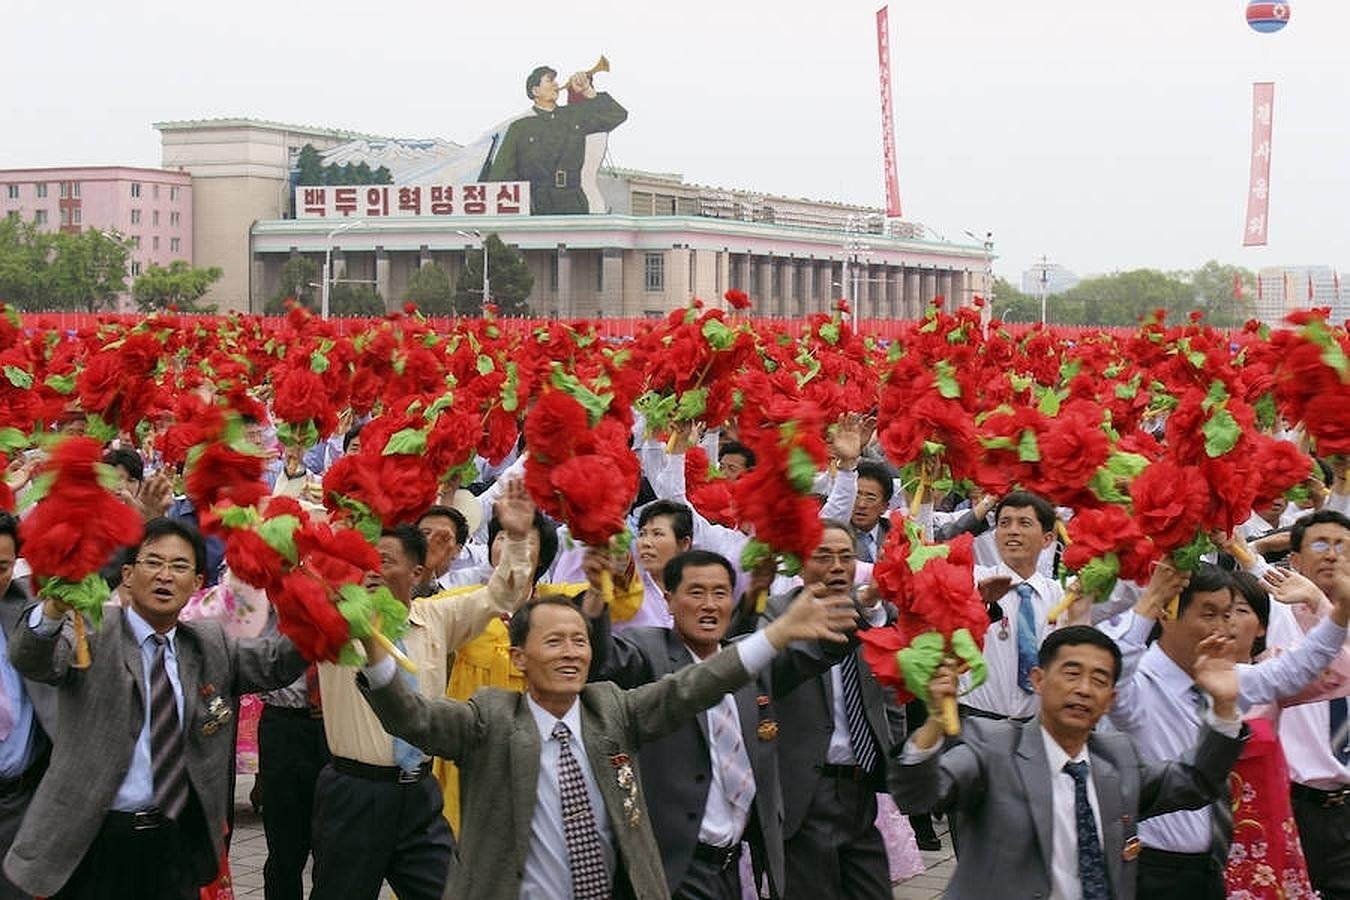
(548, 540)
(880, 473)
(1045, 513)
(128, 460)
(1321, 517)
(413, 542)
(672, 576)
(352, 434)
(1206, 578)
(538, 75)
(162, 527)
(455, 516)
(518, 630)
(1073, 636)
(736, 448)
(681, 517)
(9, 524)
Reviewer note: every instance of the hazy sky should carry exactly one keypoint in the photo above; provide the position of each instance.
(1104, 135)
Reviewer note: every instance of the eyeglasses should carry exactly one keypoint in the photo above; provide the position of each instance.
(178, 568)
(825, 558)
(868, 498)
(1322, 545)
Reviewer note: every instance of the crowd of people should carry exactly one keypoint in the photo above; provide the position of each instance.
(676, 716)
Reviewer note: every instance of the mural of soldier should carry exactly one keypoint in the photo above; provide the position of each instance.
(548, 147)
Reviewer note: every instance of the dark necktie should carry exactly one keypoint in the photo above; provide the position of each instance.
(866, 547)
(1027, 648)
(589, 879)
(1340, 742)
(168, 753)
(859, 732)
(1091, 863)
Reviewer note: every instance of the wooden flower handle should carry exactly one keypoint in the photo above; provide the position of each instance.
(82, 657)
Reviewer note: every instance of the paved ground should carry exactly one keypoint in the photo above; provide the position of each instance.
(248, 852)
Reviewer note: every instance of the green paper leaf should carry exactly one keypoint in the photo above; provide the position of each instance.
(62, 384)
(484, 364)
(410, 441)
(692, 405)
(86, 595)
(98, 429)
(718, 335)
(947, 384)
(304, 435)
(318, 363)
(801, 469)
(594, 404)
(279, 534)
(1187, 558)
(1221, 433)
(829, 332)
(920, 553)
(1098, 577)
(12, 439)
(1051, 401)
(753, 553)
(1028, 448)
(237, 516)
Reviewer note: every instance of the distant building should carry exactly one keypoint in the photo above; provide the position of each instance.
(1284, 289)
(1054, 278)
(152, 207)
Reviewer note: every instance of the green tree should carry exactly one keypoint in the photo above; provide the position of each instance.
(87, 270)
(310, 170)
(1011, 305)
(24, 256)
(1216, 295)
(309, 166)
(430, 289)
(180, 286)
(1121, 299)
(511, 281)
(354, 300)
(299, 279)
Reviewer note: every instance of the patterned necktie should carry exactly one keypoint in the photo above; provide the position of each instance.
(406, 756)
(724, 732)
(866, 547)
(1091, 863)
(168, 753)
(859, 732)
(1340, 743)
(1026, 636)
(589, 879)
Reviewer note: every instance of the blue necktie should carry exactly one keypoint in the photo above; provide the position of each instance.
(406, 756)
(1340, 742)
(1091, 863)
(1027, 646)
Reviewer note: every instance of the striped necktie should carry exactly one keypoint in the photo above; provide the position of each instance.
(168, 751)
(859, 732)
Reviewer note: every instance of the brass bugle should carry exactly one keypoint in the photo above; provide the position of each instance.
(601, 65)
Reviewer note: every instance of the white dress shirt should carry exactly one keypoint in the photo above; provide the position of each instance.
(839, 752)
(1000, 693)
(723, 824)
(1305, 729)
(1064, 878)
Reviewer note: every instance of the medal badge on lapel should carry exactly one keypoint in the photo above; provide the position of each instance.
(768, 727)
(623, 775)
(1130, 851)
(217, 711)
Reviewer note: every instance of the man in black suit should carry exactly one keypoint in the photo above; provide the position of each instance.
(839, 730)
(713, 782)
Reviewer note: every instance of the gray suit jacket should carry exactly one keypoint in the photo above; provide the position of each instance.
(806, 717)
(494, 740)
(101, 712)
(999, 780)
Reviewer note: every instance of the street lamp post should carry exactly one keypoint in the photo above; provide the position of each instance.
(328, 262)
(1045, 286)
(478, 236)
(988, 243)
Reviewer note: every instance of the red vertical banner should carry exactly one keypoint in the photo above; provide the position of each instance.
(1258, 190)
(887, 115)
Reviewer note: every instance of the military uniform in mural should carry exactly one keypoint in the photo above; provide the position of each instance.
(547, 150)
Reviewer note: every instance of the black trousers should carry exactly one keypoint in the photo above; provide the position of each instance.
(368, 831)
(1325, 833)
(291, 752)
(169, 862)
(837, 853)
(1173, 876)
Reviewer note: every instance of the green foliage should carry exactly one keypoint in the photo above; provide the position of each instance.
(1011, 305)
(42, 270)
(354, 300)
(180, 286)
(1213, 284)
(430, 289)
(299, 274)
(510, 281)
(312, 171)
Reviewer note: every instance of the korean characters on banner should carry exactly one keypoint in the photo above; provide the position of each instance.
(1258, 189)
(495, 198)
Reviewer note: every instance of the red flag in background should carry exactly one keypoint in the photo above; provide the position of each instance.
(1237, 286)
(1310, 288)
(887, 116)
(1258, 188)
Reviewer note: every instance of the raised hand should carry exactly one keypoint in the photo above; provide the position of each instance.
(992, 589)
(847, 439)
(515, 509)
(1166, 582)
(1288, 586)
(156, 496)
(816, 614)
(1215, 673)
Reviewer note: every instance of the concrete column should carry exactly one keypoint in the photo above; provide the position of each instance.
(767, 293)
(909, 279)
(382, 279)
(611, 298)
(945, 289)
(563, 300)
(929, 280)
(787, 286)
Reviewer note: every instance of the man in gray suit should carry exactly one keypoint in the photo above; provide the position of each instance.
(714, 780)
(837, 732)
(28, 713)
(1083, 793)
(540, 820)
(134, 804)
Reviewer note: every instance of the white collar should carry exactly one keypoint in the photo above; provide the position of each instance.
(545, 720)
(1056, 756)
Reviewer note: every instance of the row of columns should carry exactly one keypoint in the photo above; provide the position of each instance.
(792, 287)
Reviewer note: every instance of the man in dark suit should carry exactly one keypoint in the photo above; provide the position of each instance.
(871, 503)
(1083, 793)
(714, 780)
(838, 729)
(27, 711)
(134, 802)
(539, 819)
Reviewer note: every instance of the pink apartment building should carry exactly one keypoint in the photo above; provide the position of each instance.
(152, 207)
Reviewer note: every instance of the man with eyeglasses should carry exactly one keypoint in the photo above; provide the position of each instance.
(873, 499)
(1314, 735)
(135, 800)
(838, 733)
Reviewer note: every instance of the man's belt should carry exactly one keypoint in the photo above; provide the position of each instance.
(1324, 799)
(722, 857)
(847, 773)
(144, 820)
(394, 774)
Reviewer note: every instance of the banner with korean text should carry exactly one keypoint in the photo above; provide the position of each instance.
(489, 198)
(1258, 190)
(887, 115)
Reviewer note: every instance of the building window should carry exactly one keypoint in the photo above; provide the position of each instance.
(136, 241)
(654, 272)
(154, 192)
(75, 216)
(175, 244)
(42, 190)
(75, 189)
(135, 189)
(13, 191)
(173, 220)
(693, 271)
(65, 217)
(173, 195)
(600, 272)
(154, 243)
(553, 273)
(135, 217)
(40, 217)
(135, 269)
(154, 217)
(64, 190)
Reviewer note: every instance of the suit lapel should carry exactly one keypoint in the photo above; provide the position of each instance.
(606, 757)
(1106, 781)
(188, 651)
(131, 657)
(524, 749)
(1034, 769)
(677, 654)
